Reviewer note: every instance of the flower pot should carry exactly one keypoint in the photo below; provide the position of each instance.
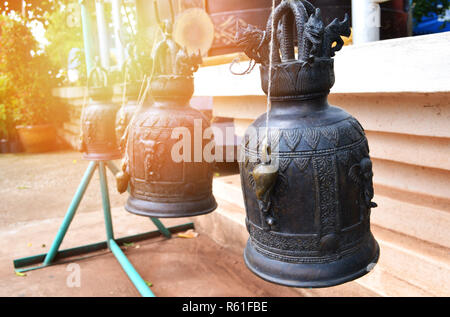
(37, 138)
(15, 146)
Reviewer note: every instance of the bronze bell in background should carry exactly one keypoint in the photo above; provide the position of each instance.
(127, 110)
(307, 177)
(98, 137)
(160, 184)
(131, 88)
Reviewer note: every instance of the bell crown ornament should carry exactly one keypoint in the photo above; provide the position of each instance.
(306, 173)
(173, 67)
(295, 74)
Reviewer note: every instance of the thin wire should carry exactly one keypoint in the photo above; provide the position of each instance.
(141, 99)
(133, 32)
(142, 86)
(269, 104)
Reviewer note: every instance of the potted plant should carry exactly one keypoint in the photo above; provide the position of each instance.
(26, 100)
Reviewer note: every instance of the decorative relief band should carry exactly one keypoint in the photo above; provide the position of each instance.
(339, 136)
(305, 258)
(295, 154)
(325, 176)
(303, 248)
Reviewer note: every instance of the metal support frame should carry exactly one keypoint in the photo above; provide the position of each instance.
(54, 254)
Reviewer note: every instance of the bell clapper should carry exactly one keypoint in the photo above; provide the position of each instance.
(265, 175)
(123, 177)
(122, 182)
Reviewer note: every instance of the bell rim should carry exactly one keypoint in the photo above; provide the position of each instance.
(174, 209)
(304, 268)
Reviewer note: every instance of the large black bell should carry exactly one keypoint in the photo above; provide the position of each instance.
(166, 175)
(98, 138)
(307, 177)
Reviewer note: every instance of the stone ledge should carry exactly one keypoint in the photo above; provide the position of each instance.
(419, 114)
(411, 64)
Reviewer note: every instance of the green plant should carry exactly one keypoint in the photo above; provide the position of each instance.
(6, 98)
(422, 8)
(64, 33)
(27, 78)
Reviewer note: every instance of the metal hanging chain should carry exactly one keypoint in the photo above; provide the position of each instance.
(252, 62)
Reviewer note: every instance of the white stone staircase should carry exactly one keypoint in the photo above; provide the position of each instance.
(414, 259)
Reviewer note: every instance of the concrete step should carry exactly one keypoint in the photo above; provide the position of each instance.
(422, 265)
(422, 222)
(69, 137)
(226, 226)
(408, 266)
(429, 183)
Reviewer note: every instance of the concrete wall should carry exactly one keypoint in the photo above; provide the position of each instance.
(74, 97)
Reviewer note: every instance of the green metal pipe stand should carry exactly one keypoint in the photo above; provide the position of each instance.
(54, 254)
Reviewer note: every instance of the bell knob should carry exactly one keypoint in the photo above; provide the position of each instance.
(122, 180)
